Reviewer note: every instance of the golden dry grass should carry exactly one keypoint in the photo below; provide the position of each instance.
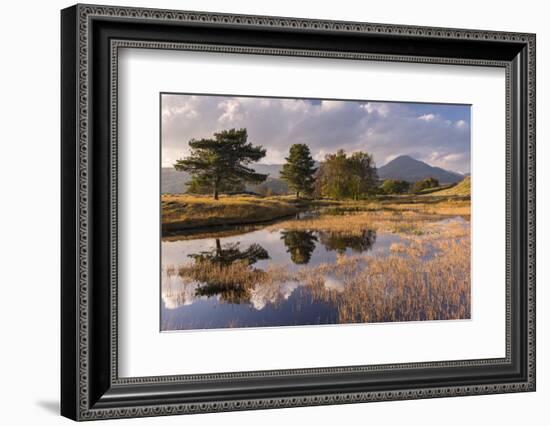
(238, 273)
(399, 287)
(403, 218)
(462, 188)
(186, 212)
(426, 276)
(183, 211)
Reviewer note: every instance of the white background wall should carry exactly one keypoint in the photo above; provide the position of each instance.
(29, 213)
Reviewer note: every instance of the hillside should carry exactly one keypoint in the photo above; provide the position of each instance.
(173, 182)
(411, 170)
(462, 189)
(272, 170)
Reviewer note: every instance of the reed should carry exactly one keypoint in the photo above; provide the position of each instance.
(424, 277)
(402, 222)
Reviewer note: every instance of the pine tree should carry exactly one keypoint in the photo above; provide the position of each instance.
(299, 170)
(221, 162)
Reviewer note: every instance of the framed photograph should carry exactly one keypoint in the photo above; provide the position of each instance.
(263, 212)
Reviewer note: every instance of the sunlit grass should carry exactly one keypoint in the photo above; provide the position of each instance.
(408, 219)
(186, 212)
(462, 188)
(399, 287)
(238, 273)
(425, 276)
(183, 211)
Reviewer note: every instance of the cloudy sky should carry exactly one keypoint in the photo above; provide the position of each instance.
(438, 134)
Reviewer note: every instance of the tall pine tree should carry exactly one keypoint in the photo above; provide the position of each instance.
(221, 163)
(299, 170)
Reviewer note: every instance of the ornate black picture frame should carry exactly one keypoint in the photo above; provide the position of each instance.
(91, 36)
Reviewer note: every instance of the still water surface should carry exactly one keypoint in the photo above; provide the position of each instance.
(190, 304)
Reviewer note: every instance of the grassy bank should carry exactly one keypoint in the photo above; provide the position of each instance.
(402, 222)
(182, 211)
(462, 189)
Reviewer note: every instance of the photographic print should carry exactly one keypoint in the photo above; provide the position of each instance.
(292, 212)
(303, 199)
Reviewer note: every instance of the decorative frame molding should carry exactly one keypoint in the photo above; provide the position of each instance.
(91, 388)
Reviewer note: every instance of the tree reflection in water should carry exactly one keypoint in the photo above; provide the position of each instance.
(341, 242)
(225, 271)
(230, 253)
(300, 245)
(236, 294)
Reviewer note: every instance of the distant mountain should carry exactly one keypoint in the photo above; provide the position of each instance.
(272, 170)
(173, 182)
(411, 170)
(271, 186)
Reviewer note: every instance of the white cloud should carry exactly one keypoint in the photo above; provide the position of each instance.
(232, 113)
(383, 129)
(453, 157)
(185, 111)
(389, 158)
(427, 117)
(380, 108)
(332, 105)
(455, 161)
(461, 124)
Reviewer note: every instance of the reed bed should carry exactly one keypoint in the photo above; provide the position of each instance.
(238, 273)
(399, 288)
(425, 276)
(402, 222)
